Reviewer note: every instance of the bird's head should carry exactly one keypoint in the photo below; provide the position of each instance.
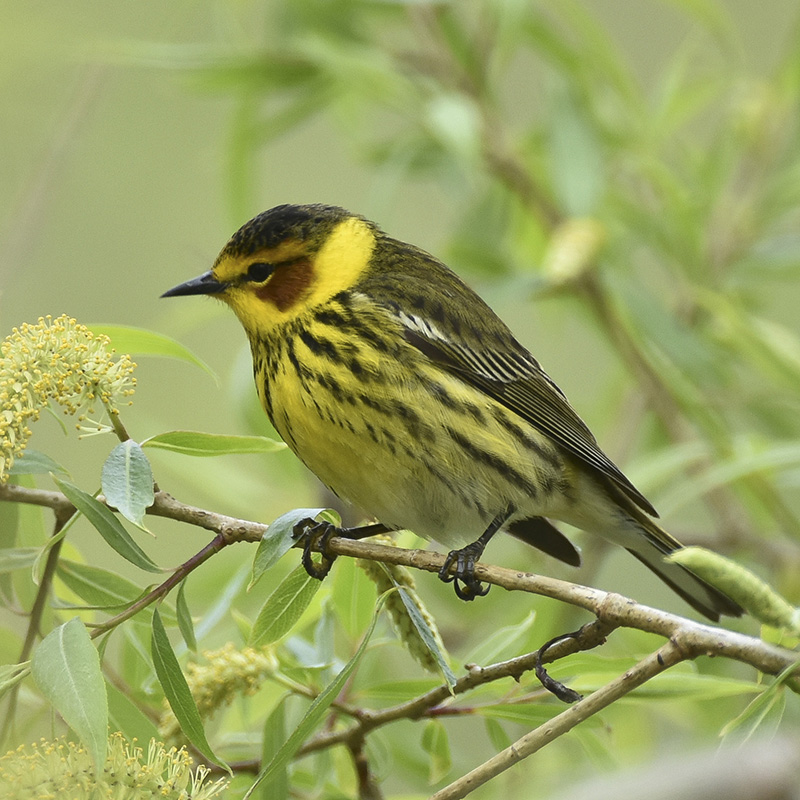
(284, 261)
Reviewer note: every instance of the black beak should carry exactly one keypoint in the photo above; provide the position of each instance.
(203, 284)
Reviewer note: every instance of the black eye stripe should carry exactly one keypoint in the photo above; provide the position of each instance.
(259, 271)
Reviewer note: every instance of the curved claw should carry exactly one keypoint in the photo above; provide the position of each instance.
(316, 536)
(464, 573)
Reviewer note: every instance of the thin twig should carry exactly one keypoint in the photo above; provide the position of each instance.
(668, 655)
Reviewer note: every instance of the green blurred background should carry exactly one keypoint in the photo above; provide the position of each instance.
(137, 137)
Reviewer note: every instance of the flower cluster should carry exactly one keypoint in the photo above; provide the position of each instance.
(65, 769)
(215, 684)
(386, 577)
(58, 360)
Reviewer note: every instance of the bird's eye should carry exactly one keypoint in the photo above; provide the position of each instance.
(259, 271)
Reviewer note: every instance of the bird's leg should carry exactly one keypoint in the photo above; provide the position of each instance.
(316, 536)
(465, 559)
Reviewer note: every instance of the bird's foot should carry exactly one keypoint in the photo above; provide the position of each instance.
(316, 536)
(464, 573)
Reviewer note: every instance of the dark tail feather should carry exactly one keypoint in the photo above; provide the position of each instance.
(701, 596)
(543, 535)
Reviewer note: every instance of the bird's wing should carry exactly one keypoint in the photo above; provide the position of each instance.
(514, 379)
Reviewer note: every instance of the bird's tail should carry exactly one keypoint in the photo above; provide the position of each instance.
(651, 543)
(651, 548)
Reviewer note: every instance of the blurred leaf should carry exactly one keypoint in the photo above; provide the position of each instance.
(11, 675)
(315, 712)
(529, 714)
(497, 735)
(397, 691)
(436, 744)
(141, 342)
(274, 735)
(127, 482)
(107, 525)
(454, 120)
(504, 642)
(278, 539)
(124, 716)
(18, 558)
(66, 669)
(284, 607)
(176, 690)
(771, 702)
(576, 157)
(745, 460)
(185, 624)
(32, 462)
(353, 597)
(700, 687)
(195, 443)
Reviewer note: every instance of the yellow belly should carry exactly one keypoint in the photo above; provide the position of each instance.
(442, 463)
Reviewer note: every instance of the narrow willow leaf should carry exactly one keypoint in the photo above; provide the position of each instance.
(315, 712)
(428, 637)
(127, 481)
(12, 674)
(284, 607)
(107, 525)
(277, 786)
(66, 669)
(176, 690)
(504, 642)
(497, 735)
(278, 539)
(32, 462)
(103, 589)
(196, 443)
(185, 623)
(436, 744)
(125, 717)
(138, 341)
(18, 558)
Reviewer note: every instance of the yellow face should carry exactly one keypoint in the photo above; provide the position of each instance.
(269, 287)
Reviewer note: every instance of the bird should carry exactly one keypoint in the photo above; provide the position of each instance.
(408, 397)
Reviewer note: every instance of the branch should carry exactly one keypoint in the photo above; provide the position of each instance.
(610, 608)
(667, 656)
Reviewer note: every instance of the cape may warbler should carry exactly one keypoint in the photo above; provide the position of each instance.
(408, 397)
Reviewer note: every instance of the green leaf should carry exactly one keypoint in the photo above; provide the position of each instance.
(12, 674)
(427, 635)
(176, 690)
(103, 589)
(497, 735)
(284, 607)
(185, 623)
(141, 342)
(277, 540)
(66, 669)
(315, 712)
(18, 558)
(504, 642)
(436, 744)
(353, 597)
(127, 481)
(109, 527)
(196, 443)
(277, 787)
(124, 716)
(32, 462)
